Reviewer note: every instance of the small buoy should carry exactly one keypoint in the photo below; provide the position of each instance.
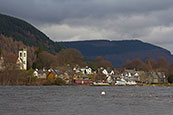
(103, 93)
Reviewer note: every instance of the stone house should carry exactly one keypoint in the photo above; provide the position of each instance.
(154, 77)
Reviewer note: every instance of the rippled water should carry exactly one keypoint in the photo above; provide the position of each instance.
(85, 100)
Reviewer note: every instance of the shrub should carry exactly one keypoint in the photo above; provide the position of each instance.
(59, 81)
(51, 81)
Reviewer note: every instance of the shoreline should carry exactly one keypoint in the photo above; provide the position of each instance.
(138, 85)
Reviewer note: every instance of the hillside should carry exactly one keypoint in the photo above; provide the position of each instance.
(119, 51)
(20, 30)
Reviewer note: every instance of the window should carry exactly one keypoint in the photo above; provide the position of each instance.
(24, 54)
(20, 54)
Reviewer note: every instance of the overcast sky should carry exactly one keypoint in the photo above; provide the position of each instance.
(68, 20)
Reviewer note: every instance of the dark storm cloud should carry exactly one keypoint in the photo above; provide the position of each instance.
(58, 10)
(147, 20)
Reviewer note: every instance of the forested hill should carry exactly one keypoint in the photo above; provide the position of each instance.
(119, 51)
(22, 31)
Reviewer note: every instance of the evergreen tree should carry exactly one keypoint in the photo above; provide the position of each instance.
(40, 50)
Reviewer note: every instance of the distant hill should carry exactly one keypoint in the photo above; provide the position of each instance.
(20, 30)
(119, 51)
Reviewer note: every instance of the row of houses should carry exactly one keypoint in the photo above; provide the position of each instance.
(141, 76)
(52, 74)
(83, 76)
(131, 77)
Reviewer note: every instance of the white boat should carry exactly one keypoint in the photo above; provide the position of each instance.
(124, 82)
(100, 84)
(120, 83)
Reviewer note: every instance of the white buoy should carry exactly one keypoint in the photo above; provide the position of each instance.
(103, 93)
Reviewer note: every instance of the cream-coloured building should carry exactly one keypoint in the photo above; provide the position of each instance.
(22, 59)
(1, 63)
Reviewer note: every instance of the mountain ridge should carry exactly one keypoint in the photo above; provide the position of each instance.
(119, 51)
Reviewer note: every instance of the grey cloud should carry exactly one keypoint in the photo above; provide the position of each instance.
(58, 10)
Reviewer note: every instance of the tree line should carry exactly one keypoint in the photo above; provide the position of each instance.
(69, 56)
(150, 65)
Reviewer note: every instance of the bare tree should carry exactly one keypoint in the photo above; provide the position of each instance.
(151, 64)
(100, 62)
(45, 60)
(69, 56)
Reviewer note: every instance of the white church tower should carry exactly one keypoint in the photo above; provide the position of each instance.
(22, 59)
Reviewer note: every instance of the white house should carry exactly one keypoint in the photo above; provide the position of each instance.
(109, 79)
(112, 72)
(35, 73)
(105, 72)
(88, 71)
(22, 59)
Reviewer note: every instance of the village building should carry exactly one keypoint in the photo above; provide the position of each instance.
(52, 74)
(1, 63)
(22, 59)
(154, 77)
(40, 74)
(84, 70)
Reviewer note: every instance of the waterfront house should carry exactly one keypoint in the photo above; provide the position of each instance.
(52, 74)
(153, 77)
(109, 79)
(156, 77)
(65, 76)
